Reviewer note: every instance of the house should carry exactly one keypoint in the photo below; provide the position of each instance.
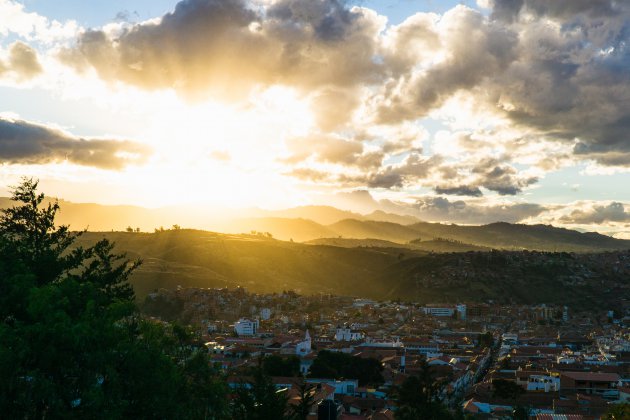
(246, 326)
(586, 405)
(473, 406)
(347, 334)
(439, 310)
(590, 383)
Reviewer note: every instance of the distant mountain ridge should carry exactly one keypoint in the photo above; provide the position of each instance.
(309, 223)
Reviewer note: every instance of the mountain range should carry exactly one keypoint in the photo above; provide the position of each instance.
(320, 249)
(327, 225)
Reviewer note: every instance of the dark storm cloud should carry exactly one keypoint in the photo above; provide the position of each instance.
(22, 142)
(459, 190)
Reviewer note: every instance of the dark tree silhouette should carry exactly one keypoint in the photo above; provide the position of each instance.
(72, 344)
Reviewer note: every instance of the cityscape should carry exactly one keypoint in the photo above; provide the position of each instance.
(315, 209)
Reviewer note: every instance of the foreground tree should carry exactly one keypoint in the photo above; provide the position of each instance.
(302, 409)
(618, 412)
(336, 365)
(259, 399)
(72, 344)
(418, 397)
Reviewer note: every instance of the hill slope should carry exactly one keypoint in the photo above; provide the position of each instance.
(191, 258)
(514, 236)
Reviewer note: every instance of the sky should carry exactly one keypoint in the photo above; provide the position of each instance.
(468, 112)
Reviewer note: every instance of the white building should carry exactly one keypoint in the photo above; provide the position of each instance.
(246, 326)
(347, 334)
(544, 383)
(304, 347)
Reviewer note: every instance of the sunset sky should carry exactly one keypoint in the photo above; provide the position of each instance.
(466, 112)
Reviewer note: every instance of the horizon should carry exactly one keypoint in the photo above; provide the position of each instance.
(225, 220)
(468, 112)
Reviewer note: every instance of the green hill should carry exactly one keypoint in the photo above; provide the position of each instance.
(191, 258)
(515, 236)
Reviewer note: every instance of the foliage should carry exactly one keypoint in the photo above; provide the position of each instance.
(337, 365)
(418, 397)
(259, 399)
(503, 388)
(71, 342)
(301, 410)
(275, 365)
(486, 340)
(618, 412)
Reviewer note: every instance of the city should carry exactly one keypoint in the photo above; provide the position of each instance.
(489, 359)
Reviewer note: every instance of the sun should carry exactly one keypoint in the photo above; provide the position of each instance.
(220, 153)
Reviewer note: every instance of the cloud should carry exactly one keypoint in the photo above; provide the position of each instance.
(442, 209)
(598, 214)
(543, 84)
(332, 149)
(459, 190)
(501, 178)
(32, 26)
(27, 143)
(22, 62)
(509, 10)
(226, 48)
(474, 49)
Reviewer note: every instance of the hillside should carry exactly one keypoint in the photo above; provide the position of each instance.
(577, 280)
(434, 245)
(205, 259)
(388, 231)
(514, 236)
(299, 230)
(190, 258)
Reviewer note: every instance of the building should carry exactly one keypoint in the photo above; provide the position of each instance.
(590, 383)
(438, 310)
(304, 347)
(461, 312)
(347, 334)
(265, 314)
(246, 326)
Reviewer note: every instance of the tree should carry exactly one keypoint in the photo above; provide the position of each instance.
(418, 397)
(72, 344)
(486, 340)
(259, 399)
(618, 412)
(503, 388)
(302, 409)
(336, 365)
(275, 365)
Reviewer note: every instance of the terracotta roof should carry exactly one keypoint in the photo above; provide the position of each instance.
(592, 376)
